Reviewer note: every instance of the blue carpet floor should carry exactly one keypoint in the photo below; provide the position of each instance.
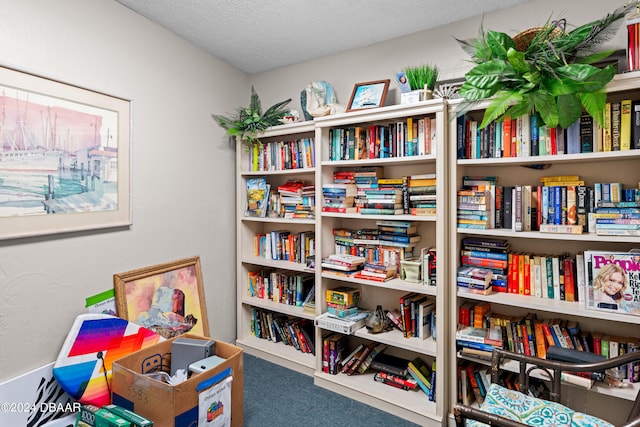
(275, 396)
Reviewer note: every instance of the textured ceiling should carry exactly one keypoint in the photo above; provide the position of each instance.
(256, 36)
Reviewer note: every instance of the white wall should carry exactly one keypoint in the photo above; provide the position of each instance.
(183, 191)
(437, 46)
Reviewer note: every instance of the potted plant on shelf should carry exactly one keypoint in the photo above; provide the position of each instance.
(421, 78)
(248, 121)
(547, 70)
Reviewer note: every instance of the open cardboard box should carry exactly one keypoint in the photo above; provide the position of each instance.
(167, 405)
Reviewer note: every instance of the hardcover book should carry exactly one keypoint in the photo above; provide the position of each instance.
(613, 281)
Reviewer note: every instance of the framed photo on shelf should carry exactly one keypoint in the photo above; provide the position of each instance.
(165, 298)
(64, 157)
(368, 95)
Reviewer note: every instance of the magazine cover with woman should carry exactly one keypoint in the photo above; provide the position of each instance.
(613, 281)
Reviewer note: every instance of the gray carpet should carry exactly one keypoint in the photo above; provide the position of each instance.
(275, 396)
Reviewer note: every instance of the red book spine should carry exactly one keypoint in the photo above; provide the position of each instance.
(372, 141)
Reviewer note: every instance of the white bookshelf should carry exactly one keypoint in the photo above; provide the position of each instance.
(616, 166)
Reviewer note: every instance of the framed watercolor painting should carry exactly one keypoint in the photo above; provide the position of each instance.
(166, 298)
(64, 157)
(368, 95)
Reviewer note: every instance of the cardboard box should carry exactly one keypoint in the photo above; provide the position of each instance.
(166, 405)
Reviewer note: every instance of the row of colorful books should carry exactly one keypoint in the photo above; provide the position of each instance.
(294, 199)
(282, 155)
(412, 137)
(367, 191)
(281, 286)
(526, 136)
(532, 336)
(289, 330)
(579, 277)
(416, 316)
(388, 369)
(474, 380)
(284, 245)
(559, 204)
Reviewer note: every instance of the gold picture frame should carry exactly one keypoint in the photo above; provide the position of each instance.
(166, 298)
(368, 95)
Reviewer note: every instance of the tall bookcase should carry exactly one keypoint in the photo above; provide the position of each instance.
(414, 405)
(279, 139)
(432, 229)
(612, 166)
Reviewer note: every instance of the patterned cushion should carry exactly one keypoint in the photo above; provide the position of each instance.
(533, 411)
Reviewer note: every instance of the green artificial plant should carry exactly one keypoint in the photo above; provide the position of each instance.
(421, 76)
(552, 75)
(248, 121)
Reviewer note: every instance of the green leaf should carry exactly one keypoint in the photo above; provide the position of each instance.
(545, 106)
(483, 80)
(499, 43)
(594, 104)
(569, 109)
(518, 61)
(595, 57)
(470, 92)
(499, 104)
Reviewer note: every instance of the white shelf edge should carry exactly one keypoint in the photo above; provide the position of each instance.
(291, 221)
(285, 265)
(586, 237)
(415, 405)
(549, 305)
(299, 171)
(278, 353)
(396, 338)
(395, 284)
(291, 310)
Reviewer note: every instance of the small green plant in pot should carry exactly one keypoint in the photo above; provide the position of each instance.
(248, 121)
(551, 73)
(422, 77)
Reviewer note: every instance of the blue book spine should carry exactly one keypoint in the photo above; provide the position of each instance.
(545, 204)
(533, 122)
(475, 345)
(557, 205)
(432, 395)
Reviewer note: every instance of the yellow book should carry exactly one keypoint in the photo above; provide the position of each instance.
(556, 178)
(564, 183)
(606, 131)
(625, 124)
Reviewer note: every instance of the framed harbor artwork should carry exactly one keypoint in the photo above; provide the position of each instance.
(64, 157)
(166, 298)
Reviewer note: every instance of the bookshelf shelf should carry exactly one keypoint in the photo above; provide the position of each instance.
(592, 167)
(286, 265)
(585, 237)
(395, 338)
(291, 310)
(396, 284)
(278, 353)
(560, 308)
(413, 405)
